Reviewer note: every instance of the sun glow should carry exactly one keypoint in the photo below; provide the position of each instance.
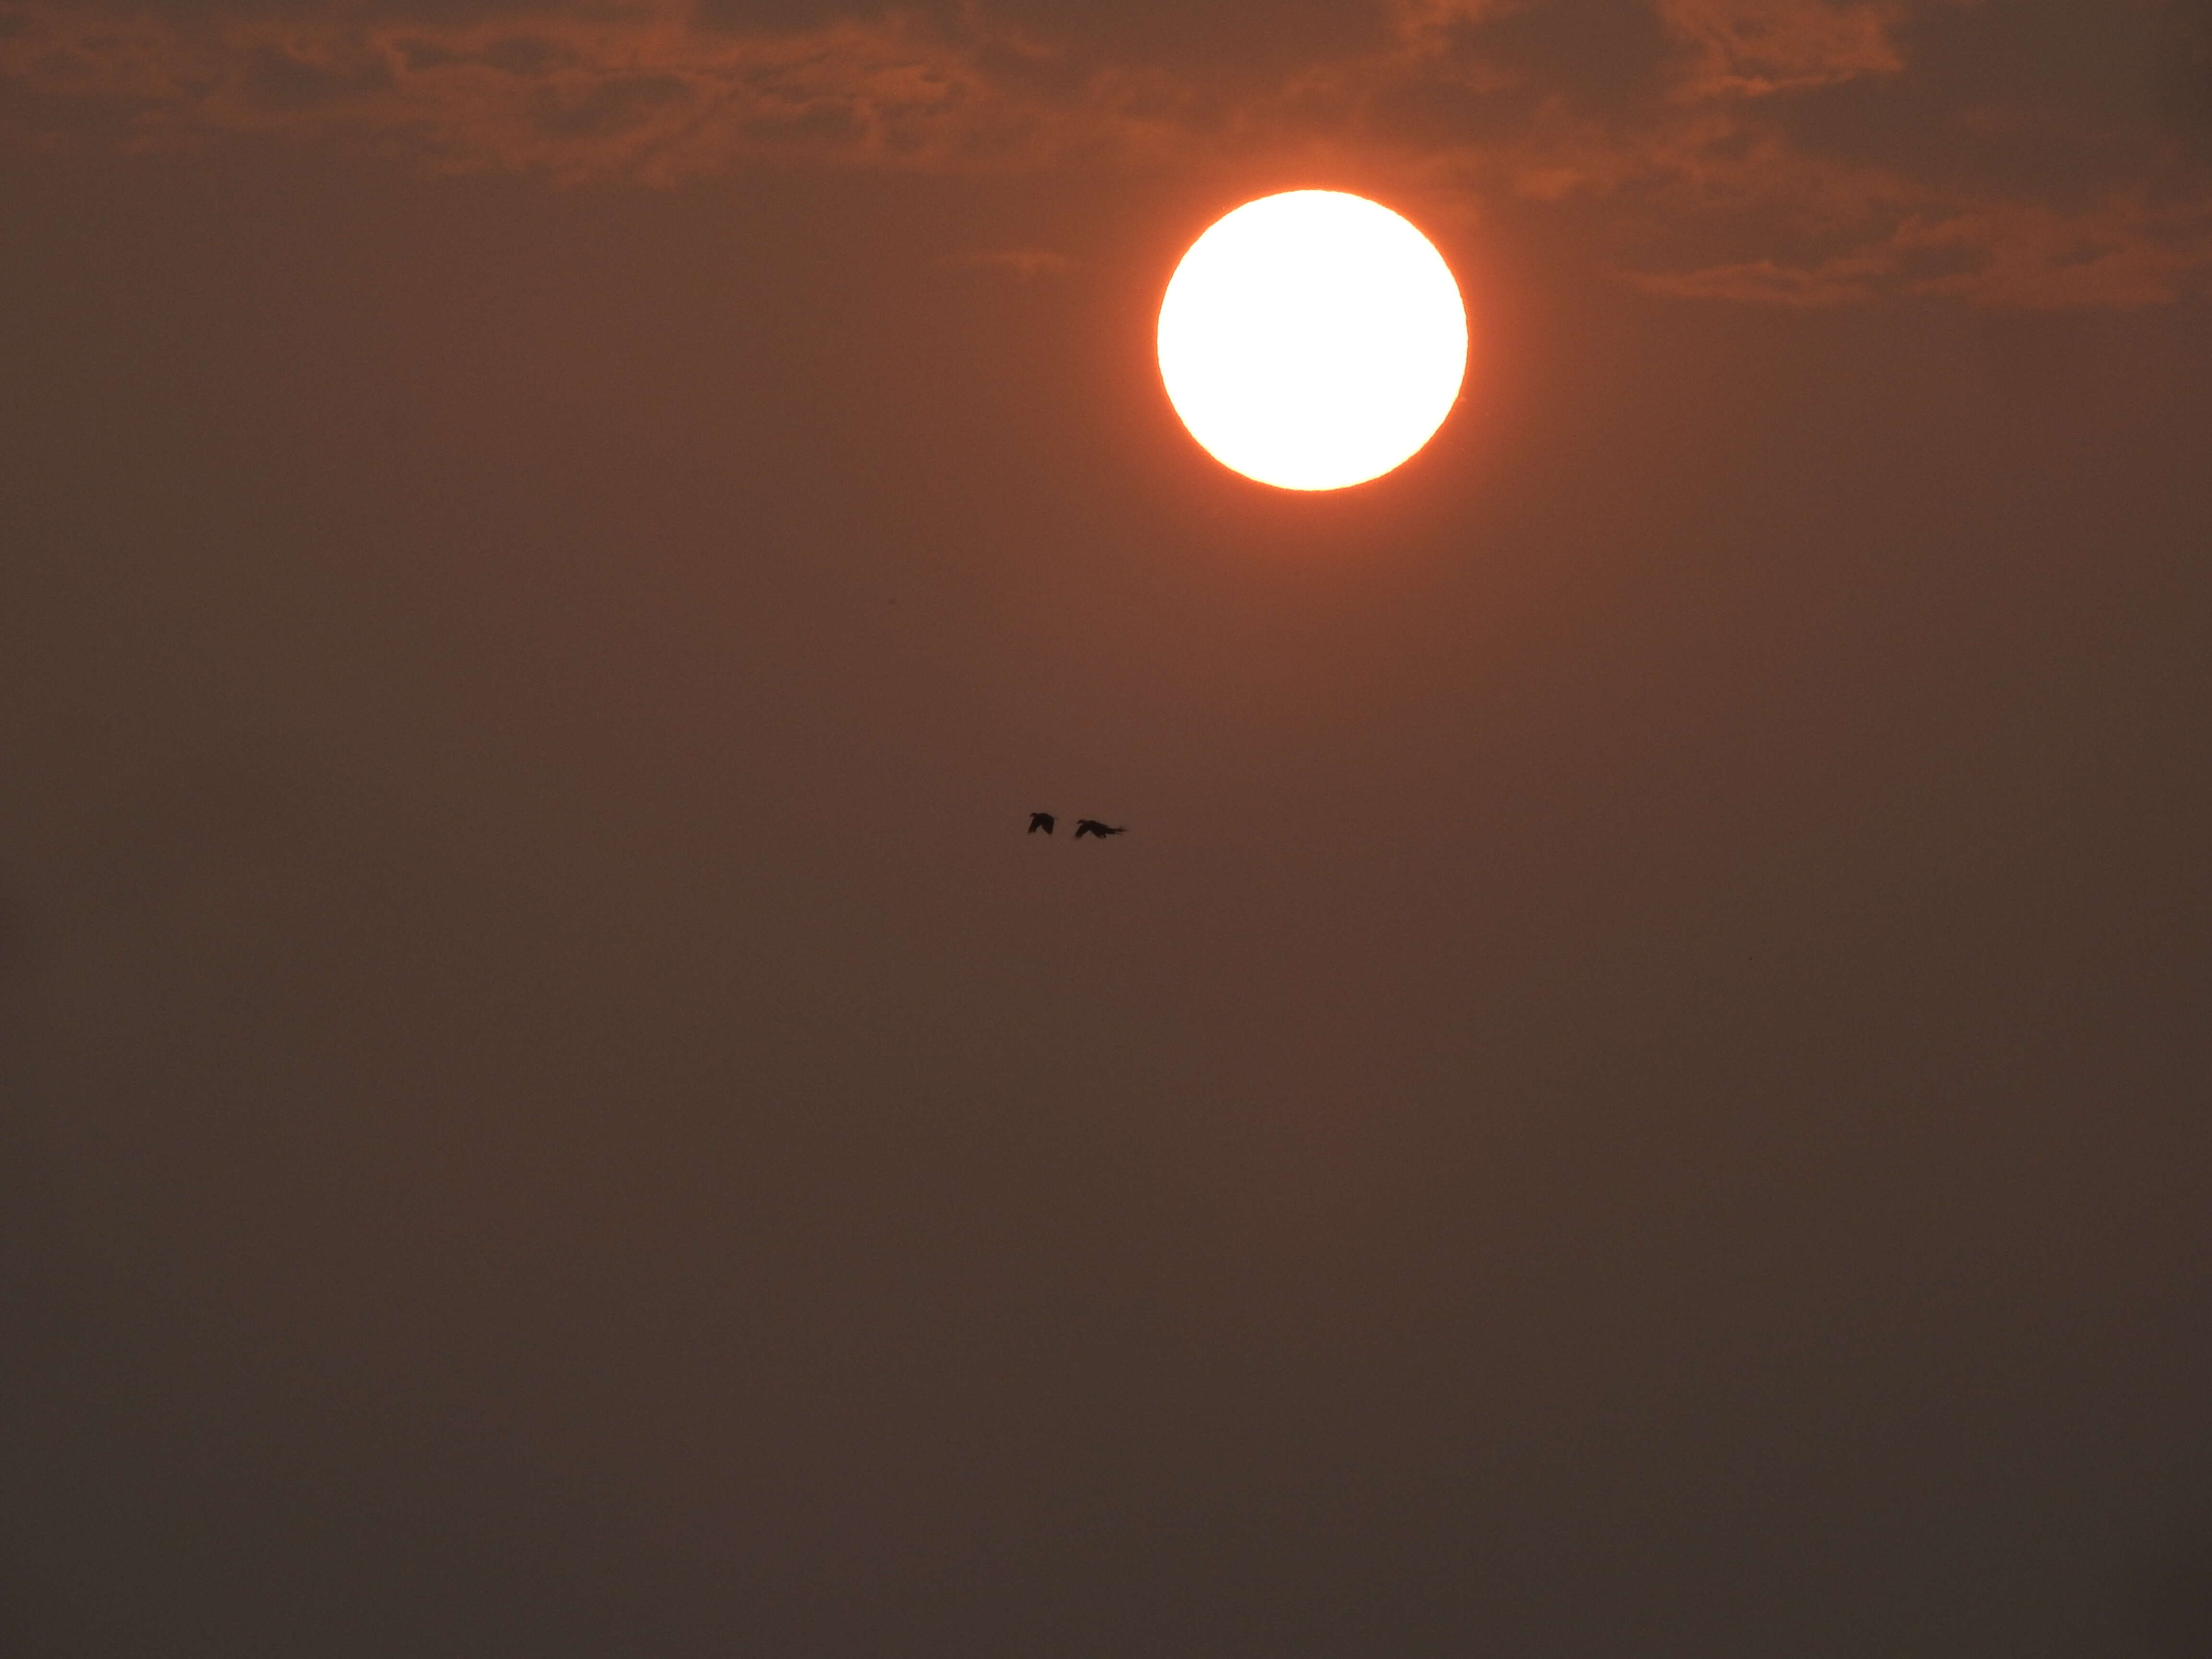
(1312, 340)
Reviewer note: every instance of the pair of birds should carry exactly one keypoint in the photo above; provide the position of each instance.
(1044, 821)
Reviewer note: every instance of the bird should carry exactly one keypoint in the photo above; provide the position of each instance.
(1043, 821)
(1093, 827)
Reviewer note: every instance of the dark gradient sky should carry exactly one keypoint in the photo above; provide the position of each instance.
(1640, 1087)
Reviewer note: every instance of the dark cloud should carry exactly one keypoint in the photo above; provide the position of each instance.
(1786, 151)
(277, 78)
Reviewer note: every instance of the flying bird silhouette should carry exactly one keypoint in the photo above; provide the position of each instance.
(1043, 821)
(1093, 827)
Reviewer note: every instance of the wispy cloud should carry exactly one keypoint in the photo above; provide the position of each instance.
(1755, 48)
(1762, 282)
(643, 92)
(1026, 263)
(1712, 148)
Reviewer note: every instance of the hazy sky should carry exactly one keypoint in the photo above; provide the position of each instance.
(1640, 1088)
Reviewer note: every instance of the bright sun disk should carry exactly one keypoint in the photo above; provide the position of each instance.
(1312, 340)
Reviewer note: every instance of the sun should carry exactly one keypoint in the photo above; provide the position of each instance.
(1312, 340)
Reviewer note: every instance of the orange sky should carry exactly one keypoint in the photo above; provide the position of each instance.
(1636, 1086)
